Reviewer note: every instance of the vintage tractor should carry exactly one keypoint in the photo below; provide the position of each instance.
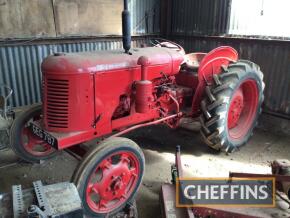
(105, 94)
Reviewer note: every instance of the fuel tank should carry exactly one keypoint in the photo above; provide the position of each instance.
(79, 89)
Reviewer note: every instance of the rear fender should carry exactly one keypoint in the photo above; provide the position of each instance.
(210, 65)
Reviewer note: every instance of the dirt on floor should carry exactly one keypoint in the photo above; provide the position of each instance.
(158, 144)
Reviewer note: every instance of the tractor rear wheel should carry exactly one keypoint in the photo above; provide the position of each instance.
(109, 176)
(232, 105)
(26, 145)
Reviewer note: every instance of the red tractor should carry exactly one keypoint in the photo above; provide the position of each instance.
(109, 93)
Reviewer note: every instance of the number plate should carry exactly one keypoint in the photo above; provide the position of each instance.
(49, 139)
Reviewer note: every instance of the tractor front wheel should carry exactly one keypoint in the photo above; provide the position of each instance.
(109, 176)
(22, 141)
(232, 106)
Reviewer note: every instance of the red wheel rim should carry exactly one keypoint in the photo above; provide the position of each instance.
(112, 182)
(33, 145)
(243, 109)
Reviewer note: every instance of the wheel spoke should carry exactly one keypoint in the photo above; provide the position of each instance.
(133, 172)
(46, 146)
(93, 188)
(123, 196)
(89, 188)
(106, 164)
(103, 203)
(30, 144)
(125, 158)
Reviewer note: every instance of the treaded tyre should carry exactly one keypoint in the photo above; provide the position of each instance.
(231, 106)
(109, 176)
(26, 145)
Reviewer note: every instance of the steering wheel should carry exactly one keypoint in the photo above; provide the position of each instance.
(159, 42)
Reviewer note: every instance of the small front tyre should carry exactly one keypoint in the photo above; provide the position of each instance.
(109, 176)
(22, 141)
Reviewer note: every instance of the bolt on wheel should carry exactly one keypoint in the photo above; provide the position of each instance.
(109, 176)
(232, 105)
(22, 141)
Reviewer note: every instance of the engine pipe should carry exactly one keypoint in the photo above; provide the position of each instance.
(144, 62)
(175, 102)
(144, 88)
(126, 27)
(155, 122)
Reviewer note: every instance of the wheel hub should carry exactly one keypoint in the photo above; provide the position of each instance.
(116, 182)
(236, 108)
(243, 110)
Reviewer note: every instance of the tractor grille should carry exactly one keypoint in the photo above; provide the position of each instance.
(57, 103)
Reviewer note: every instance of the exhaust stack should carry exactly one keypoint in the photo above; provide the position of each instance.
(126, 28)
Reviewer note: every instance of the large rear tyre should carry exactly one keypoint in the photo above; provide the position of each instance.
(26, 145)
(109, 176)
(232, 105)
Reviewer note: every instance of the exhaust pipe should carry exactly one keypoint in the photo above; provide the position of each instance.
(126, 28)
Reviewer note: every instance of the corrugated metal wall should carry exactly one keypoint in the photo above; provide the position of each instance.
(194, 24)
(20, 60)
(20, 64)
(145, 16)
(200, 17)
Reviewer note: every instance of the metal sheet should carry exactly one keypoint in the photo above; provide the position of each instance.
(145, 16)
(20, 63)
(272, 56)
(196, 17)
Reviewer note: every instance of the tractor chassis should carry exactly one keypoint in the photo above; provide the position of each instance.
(68, 140)
(80, 150)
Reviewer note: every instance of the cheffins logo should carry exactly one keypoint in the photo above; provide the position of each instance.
(236, 192)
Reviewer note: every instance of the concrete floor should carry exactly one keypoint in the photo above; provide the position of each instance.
(158, 144)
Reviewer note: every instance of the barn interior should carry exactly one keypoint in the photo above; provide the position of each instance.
(32, 30)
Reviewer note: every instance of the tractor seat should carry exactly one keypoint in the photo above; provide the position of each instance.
(193, 60)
